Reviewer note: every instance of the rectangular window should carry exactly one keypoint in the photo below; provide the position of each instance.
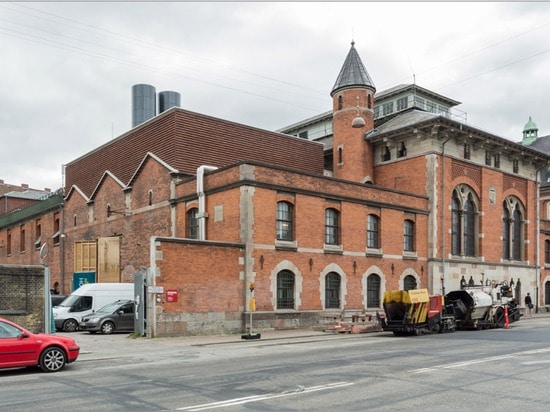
(402, 103)
(387, 108)
(547, 252)
(284, 221)
(515, 165)
(376, 111)
(56, 229)
(8, 242)
(444, 111)
(431, 107)
(419, 102)
(331, 227)
(497, 160)
(372, 232)
(22, 239)
(467, 151)
(408, 236)
(487, 158)
(285, 290)
(38, 235)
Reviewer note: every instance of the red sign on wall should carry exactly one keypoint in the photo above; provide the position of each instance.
(171, 296)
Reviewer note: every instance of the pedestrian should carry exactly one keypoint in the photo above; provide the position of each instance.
(529, 303)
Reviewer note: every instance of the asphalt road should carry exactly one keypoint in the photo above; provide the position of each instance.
(502, 369)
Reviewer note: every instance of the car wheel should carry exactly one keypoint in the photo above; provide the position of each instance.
(70, 325)
(52, 359)
(107, 328)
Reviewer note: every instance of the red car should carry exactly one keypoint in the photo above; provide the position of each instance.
(20, 348)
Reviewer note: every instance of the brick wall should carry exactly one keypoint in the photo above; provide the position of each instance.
(22, 295)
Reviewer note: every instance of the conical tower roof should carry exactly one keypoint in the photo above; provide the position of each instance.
(353, 73)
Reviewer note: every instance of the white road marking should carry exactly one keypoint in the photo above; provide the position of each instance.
(257, 398)
(481, 360)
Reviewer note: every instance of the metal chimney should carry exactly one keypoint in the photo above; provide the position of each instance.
(143, 103)
(168, 99)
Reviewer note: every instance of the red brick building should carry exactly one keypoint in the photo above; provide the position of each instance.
(208, 208)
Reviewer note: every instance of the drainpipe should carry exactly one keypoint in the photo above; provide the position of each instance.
(202, 200)
(537, 249)
(443, 215)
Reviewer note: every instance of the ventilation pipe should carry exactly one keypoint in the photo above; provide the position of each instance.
(202, 199)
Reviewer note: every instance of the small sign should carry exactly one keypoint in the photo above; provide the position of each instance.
(155, 289)
(171, 295)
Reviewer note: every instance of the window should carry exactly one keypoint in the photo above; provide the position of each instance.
(497, 160)
(512, 229)
(56, 229)
(150, 197)
(386, 154)
(547, 293)
(303, 135)
(8, 242)
(340, 102)
(38, 234)
(515, 165)
(409, 282)
(419, 102)
(402, 103)
(487, 158)
(431, 107)
(402, 151)
(109, 211)
(284, 221)
(373, 238)
(467, 151)
(285, 290)
(373, 291)
(340, 156)
(192, 223)
(369, 101)
(408, 236)
(332, 235)
(547, 252)
(464, 222)
(22, 239)
(332, 291)
(376, 111)
(85, 256)
(387, 108)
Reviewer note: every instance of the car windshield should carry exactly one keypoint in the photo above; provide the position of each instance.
(110, 308)
(69, 301)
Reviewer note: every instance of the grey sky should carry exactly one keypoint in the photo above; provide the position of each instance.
(67, 68)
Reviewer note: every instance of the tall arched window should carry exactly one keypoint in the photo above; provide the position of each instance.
(192, 223)
(285, 290)
(284, 221)
(547, 252)
(409, 282)
(332, 291)
(512, 229)
(547, 293)
(373, 291)
(332, 235)
(464, 221)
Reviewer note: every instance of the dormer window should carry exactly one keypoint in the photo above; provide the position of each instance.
(467, 150)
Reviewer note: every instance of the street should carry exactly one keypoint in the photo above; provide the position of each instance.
(467, 370)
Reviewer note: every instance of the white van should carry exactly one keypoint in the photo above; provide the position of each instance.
(87, 299)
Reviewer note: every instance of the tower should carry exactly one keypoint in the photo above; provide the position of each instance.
(353, 116)
(529, 132)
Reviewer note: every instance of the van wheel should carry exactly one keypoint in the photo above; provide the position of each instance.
(70, 325)
(107, 328)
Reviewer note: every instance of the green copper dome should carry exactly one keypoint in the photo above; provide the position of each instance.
(530, 125)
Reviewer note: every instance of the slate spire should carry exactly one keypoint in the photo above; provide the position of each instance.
(353, 73)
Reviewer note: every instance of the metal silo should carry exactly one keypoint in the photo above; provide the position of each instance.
(168, 99)
(144, 103)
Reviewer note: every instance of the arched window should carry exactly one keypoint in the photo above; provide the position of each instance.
(373, 291)
(369, 101)
(340, 102)
(150, 197)
(192, 223)
(464, 221)
(332, 223)
(285, 290)
(408, 236)
(409, 282)
(373, 234)
(547, 252)
(547, 293)
(512, 229)
(284, 221)
(332, 291)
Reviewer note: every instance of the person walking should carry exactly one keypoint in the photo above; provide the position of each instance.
(529, 303)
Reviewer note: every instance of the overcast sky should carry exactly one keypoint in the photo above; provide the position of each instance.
(67, 69)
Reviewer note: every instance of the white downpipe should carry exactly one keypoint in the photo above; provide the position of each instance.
(202, 199)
